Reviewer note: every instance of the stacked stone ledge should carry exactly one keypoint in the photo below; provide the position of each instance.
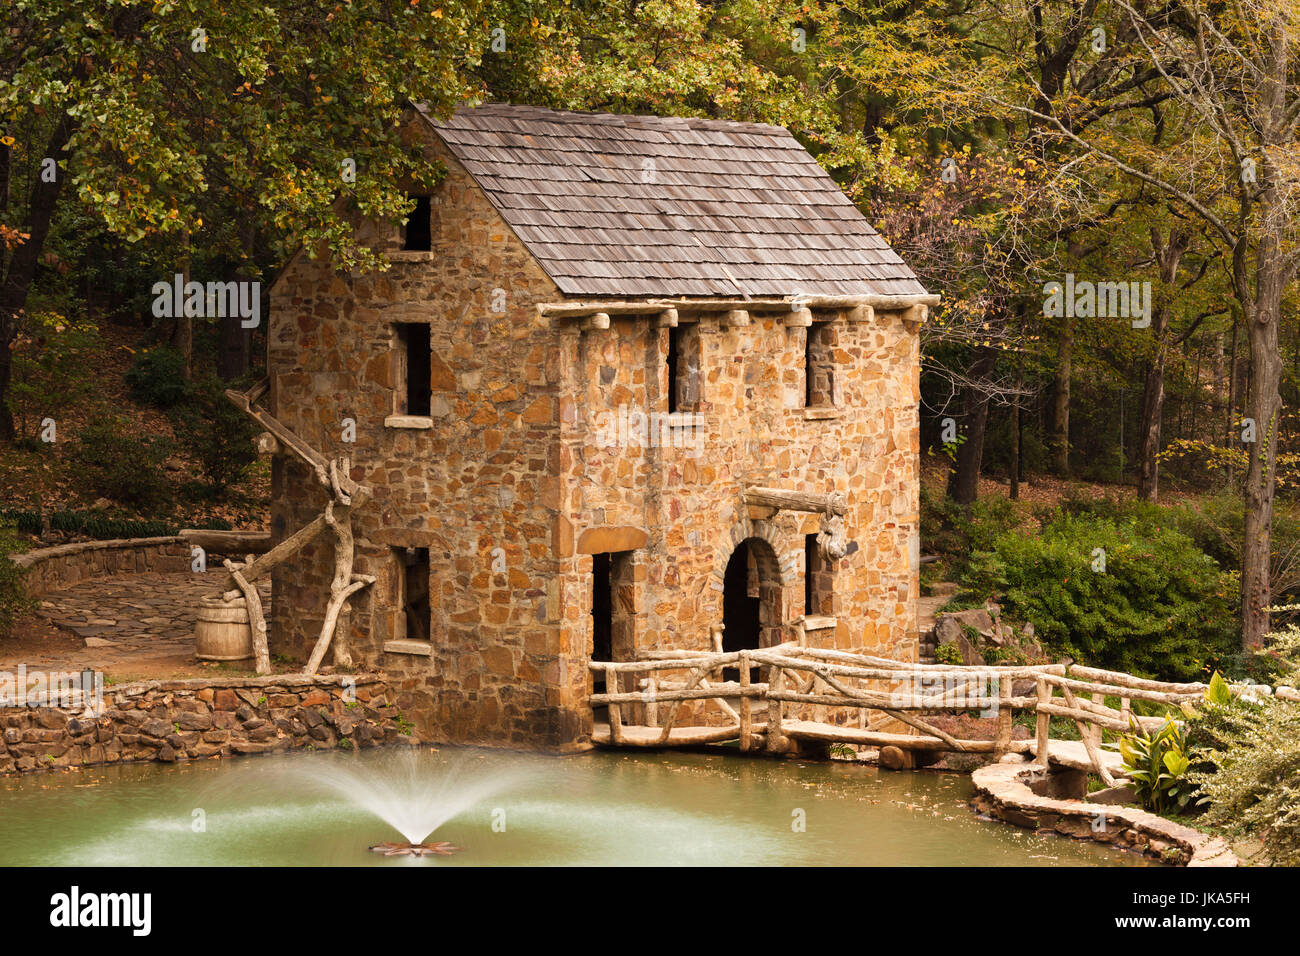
(171, 721)
(53, 569)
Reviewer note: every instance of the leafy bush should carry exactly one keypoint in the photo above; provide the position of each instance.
(953, 531)
(216, 433)
(157, 377)
(1161, 608)
(119, 465)
(1249, 771)
(1158, 764)
(13, 596)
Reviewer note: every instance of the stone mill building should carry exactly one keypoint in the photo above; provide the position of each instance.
(631, 383)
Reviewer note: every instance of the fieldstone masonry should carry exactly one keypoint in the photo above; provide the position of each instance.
(172, 721)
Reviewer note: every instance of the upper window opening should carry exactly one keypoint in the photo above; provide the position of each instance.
(418, 231)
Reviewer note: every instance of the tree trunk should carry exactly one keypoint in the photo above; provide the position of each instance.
(963, 480)
(1061, 398)
(24, 262)
(1262, 316)
(183, 331)
(1168, 255)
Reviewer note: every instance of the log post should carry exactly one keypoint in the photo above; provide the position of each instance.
(777, 742)
(1005, 715)
(1044, 724)
(615, 708)
(652, 705)
(256, 619)
(746, 721)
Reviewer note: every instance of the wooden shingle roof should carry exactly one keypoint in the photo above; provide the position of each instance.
(661, 206)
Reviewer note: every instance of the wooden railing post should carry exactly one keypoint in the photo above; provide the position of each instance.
(776, 740)
(745, 710)
(615, 708)
(1004, 718)
(1044, 725)
(1100, 699)
(652, 705)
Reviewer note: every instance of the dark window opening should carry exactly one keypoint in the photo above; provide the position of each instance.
(417, 232)
(818, 580)
(602, 616)
(416, 367)
(413, 593)
(674, 356)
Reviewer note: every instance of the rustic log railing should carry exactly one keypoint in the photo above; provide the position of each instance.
(896, 692)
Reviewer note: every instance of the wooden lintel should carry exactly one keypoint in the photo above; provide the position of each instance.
(863, 313)
(668, 319)
(734, 318)
(796, 500)
(799, 319)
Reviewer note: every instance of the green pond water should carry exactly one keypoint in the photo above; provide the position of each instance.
(508, 809)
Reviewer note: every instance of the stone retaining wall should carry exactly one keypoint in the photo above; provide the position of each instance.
(181, 720)
(1002, 791)
(52, 569)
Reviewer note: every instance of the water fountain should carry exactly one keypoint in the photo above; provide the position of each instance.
(413, 791)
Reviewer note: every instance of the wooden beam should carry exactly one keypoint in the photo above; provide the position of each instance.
(862, 313)
(668, 319)
(596, 321)
(799, 319)
(734, 319)
(796, 500)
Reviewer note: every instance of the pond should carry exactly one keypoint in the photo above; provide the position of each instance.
(602, 808)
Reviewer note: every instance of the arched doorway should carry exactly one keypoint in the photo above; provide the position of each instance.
(751, 599)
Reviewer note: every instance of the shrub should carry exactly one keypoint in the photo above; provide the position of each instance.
(1249, 771)
(1158, 764)
(118, 465)
(13, 596)
(216, 433)
(953, 531)
(1161, 608)
(157, 377)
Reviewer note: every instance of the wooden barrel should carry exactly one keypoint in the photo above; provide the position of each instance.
(222, 632)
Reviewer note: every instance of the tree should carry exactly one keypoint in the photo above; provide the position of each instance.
(138, 111)
(1232, 72)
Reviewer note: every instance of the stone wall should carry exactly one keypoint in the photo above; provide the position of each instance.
(478, 475)
(511, 489)
(182, 720)
(52, 569)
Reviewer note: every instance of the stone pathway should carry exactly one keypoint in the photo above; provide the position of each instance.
(136, 620)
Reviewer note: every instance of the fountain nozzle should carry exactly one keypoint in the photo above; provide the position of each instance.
(394, 848)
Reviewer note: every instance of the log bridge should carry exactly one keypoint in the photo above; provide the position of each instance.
(758, 714)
